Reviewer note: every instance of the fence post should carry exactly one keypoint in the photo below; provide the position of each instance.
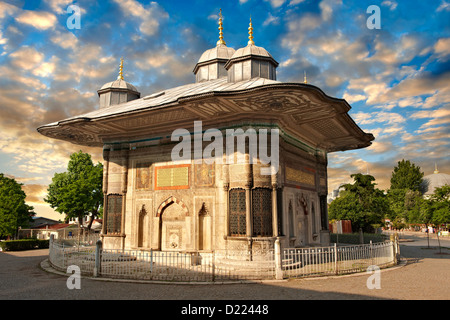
(278, 268)
(50, 247)
(371, 253)
(335, 259)
(98, 249)
(213, 265)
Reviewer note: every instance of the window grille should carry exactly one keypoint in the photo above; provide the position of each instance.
(262, 212)
(323, 212)
(114, 214)
(237, 212)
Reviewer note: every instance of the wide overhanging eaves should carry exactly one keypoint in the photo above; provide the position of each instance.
(301, 109)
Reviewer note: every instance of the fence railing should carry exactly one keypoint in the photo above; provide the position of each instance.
(303, 262)
(220, 265)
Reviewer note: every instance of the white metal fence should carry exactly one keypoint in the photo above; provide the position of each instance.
(220, 265)
(303, 262)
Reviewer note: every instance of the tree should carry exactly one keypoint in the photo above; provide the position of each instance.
(361, 203)
(406, 181)
(439, 203)
(406, 176)
(78, 192)
(14, 212)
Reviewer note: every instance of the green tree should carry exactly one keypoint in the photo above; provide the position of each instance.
(440, 207)
(361, 202)
(78, 191)
(14, 212)
(405, 191)
(406, 176)
(440, 204)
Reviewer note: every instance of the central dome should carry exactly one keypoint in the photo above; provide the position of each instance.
(221, 52)
(251, 49)
(211, 64)
(251, 62)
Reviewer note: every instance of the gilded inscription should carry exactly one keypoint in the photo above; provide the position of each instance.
(172, 177)
(300, 176)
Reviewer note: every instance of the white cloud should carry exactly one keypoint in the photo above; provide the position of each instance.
(354, 97)
(271, 19)
(7, 9)
(444, 6)
(442, 47)
(391, 4)
(26, 58)
(59, 6)
(41, 20)
(149, 16)
(276, 3)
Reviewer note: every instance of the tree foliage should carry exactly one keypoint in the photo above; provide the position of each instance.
(361, 202)
(78, 191)
(406, 176)
(404, 194)
(14, 212)
(439, 204)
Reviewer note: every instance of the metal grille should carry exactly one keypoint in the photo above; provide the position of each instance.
(262, 212)
(114, 214)
(237, 212)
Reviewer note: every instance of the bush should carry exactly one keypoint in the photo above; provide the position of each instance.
(24, 244)
(353, 238)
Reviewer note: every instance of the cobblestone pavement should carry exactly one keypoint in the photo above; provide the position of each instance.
(426, 275)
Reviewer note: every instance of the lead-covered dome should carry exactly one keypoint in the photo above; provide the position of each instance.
(433, 181)
(117, 91)
(211, 64)
(251, 62)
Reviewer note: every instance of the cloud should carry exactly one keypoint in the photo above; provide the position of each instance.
(41, 20)
(7, 10)
(271, 19)
(276, 3)
(442, 48)
(444, 6)
(424, 84)
(59, 6)
(391, 4)
(353, 98)
(149, 16)
(26, 58)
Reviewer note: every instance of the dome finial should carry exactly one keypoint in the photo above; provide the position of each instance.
(120, 77)
(221, 41)
(250, 33)
(435, 168)
(304, 78)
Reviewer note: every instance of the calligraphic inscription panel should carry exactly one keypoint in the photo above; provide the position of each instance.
(300, 176)
(172, 177)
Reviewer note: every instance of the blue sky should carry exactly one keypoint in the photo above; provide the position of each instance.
(395, 78)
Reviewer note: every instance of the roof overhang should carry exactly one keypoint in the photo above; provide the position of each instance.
(303, 111)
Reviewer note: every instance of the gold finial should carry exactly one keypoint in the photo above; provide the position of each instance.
(221, 41)
(120, 77)
(435, 168)
(250, 33)
(304, 78)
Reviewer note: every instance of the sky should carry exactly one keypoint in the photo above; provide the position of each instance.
(396, 78)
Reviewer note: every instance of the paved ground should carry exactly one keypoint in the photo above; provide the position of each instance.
(425, 276)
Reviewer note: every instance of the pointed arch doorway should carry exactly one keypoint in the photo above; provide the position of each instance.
(172, 233)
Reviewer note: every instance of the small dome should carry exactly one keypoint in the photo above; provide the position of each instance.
(221, 51)
(433, 181)
(119, 84)
(251, 49)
